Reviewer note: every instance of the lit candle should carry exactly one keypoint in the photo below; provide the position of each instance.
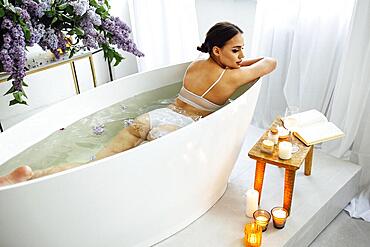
(251, 202)
(267, 146)
(285, 150)
(253, 235)
(279, 216)
(262, 218)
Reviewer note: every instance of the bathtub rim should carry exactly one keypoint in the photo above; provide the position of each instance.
(136, 149)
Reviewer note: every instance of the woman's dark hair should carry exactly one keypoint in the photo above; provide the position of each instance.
(218, 35)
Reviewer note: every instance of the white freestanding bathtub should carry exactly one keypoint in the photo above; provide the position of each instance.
(135, 198)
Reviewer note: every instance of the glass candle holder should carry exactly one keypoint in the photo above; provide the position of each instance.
(253, 235)
(279, 216)
(262, 218)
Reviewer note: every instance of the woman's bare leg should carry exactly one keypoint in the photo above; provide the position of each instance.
(127, 138)
(18, 175)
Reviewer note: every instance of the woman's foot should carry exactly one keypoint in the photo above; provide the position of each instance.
(18, 175)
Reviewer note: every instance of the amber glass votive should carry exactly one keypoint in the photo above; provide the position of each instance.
(253, 235)
(279, 216)
(262, 218)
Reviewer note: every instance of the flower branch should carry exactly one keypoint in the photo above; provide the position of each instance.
(61, 26)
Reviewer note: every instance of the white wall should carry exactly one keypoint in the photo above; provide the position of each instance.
(49, 87)
(56, 84)
(239, 12)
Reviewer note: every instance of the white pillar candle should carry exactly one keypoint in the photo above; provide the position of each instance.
(285, 150)
(251, 202)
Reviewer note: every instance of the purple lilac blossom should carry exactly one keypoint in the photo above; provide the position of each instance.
(80, 6)
(37, 33)
(6, 24)
(120, 35)
(49, 40)
(37, 9)
(97, 31)
(13, 55)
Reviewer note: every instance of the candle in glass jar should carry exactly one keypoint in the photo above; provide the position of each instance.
(279, 216)
(251, 202)
(262, 218)
(253, 235)
(285, 150)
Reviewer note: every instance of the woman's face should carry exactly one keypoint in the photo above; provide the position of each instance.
(231, 54)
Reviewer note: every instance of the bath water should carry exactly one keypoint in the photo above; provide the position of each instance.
(79, 141)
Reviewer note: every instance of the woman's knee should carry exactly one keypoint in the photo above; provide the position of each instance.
(160, 131)
(141, 126)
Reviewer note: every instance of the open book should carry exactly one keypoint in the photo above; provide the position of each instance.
(312, 127)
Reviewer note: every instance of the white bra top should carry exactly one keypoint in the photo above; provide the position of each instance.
(198, 101)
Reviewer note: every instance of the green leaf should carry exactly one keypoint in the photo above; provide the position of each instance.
(55, 19)
(12, 8)
(66, 17)
(18, 96)
(2, 12)
(63, 6)
(13, 102)
(79, 31)
(107, 4)
(27, 32)
(69, 10)
(93, 3)
(117, 57)
(11, 90)
(73, 51)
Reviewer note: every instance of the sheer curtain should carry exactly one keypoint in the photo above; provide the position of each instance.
(323, 53)
(165, 30)
(350, 107)
(307, 38)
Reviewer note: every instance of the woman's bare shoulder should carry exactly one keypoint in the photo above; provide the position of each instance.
(197, 64)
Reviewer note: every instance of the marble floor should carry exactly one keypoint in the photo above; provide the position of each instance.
(222, 225)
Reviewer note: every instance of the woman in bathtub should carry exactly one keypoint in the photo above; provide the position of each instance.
(207, 85)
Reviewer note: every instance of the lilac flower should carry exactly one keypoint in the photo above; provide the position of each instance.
(37, 9)
(6, 24)
(37, 33)
(120, 35)
(80, 6)
(49, 40)
(32, 22)
(23, 14)
(98, 129)
(93, 17)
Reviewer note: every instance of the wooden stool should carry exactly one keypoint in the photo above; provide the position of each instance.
(291, 166)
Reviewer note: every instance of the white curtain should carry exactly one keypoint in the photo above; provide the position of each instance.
(323, 53)
(350, 108)
(307, 38)
(165, 30)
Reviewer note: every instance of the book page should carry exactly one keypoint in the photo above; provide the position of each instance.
(319, 132)
(309, 117)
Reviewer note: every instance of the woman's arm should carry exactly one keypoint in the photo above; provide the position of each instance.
(251, 61)
(251, 72)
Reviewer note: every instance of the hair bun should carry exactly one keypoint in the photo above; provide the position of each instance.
(203, 48)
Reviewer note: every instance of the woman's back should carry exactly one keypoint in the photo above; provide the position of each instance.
(202, 75)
